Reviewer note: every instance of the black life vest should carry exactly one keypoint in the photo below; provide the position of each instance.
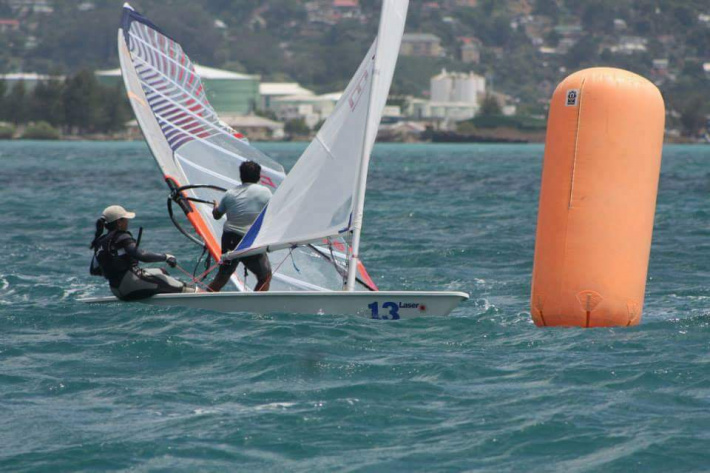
(109, 260)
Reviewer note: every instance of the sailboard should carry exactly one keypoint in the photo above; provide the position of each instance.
(319, 203)
(199, 155)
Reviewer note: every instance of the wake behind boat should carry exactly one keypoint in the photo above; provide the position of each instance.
(316, 212)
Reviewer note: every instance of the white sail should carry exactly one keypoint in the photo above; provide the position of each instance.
(318, 197)
(192, 146)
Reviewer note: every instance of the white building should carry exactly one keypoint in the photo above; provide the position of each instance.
(421, 109)
(270, 91)
(457, 87)
(311, 108)
(630, 45)
(227, 91)
(255, 127)
(29, 79)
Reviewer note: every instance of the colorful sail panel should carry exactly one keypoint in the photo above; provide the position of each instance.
(192, 146)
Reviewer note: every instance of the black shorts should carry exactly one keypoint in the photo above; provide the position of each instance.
(257, 264)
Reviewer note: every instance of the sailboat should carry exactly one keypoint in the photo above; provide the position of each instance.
(315, 215)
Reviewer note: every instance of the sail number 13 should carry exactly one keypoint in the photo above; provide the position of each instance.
(393, 313)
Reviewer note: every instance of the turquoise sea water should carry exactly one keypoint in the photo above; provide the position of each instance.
(133, 387)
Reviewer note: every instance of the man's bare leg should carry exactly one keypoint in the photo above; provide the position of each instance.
(220, 280)
(263, 286)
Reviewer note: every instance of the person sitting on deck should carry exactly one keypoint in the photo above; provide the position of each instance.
(242, 205)
(116, 257)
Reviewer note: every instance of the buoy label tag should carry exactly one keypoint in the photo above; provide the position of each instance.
(572, 97)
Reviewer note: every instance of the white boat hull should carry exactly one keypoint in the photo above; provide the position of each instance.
(386, 305)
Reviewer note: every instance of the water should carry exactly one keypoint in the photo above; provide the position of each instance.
(145, 388)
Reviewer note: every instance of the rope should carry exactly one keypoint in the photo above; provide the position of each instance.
(199, 279)
(275, 271)
(199, 261)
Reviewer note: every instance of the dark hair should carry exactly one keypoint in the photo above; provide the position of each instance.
(250, 171)
(100, 225)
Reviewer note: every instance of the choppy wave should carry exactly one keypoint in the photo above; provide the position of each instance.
(127, 386)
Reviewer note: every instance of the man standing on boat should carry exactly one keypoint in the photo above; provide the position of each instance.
(242, 205)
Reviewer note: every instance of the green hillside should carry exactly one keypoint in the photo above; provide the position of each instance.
(526, 47)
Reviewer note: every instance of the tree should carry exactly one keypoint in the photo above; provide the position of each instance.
(15, 106)
(552, 38)
(113, 111)
(692, 118)
(490, 107)
(598, 17)
(3, 91)
(46, 102)
(585, 51)
(41, 131)
(81, 101)
(297, 126)
(547, 8)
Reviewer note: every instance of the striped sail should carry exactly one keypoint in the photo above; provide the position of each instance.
(193, 146)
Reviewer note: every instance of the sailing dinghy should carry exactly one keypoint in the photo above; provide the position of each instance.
(314, 211)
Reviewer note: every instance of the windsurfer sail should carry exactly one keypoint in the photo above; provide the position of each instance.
(199, 154)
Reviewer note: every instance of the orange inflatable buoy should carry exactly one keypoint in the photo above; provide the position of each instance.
(597, 200)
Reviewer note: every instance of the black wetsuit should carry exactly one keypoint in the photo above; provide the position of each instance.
(118, 256)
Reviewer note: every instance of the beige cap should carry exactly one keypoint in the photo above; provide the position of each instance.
(115, 212)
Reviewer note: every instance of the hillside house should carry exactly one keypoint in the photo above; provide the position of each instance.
(421, 44)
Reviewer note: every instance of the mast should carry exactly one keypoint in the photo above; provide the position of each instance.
(361, 185)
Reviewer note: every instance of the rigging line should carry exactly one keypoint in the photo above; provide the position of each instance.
(273, 273)
(205, 249)
(339, 269)
(191, 277)
(208, 271)
(343, 275)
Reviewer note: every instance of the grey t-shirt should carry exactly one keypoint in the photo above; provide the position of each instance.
(242, 205)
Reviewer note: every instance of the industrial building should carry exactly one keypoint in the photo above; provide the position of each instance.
(458, 87)
(227, 91)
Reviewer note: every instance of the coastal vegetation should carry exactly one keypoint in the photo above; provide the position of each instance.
(40, 131)
(7, 131)
(526, 47)
(75, 105)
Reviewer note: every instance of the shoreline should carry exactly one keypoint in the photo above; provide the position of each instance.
(491, 136)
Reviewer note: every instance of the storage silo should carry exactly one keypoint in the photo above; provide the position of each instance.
(465, 88)
(441, 87)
